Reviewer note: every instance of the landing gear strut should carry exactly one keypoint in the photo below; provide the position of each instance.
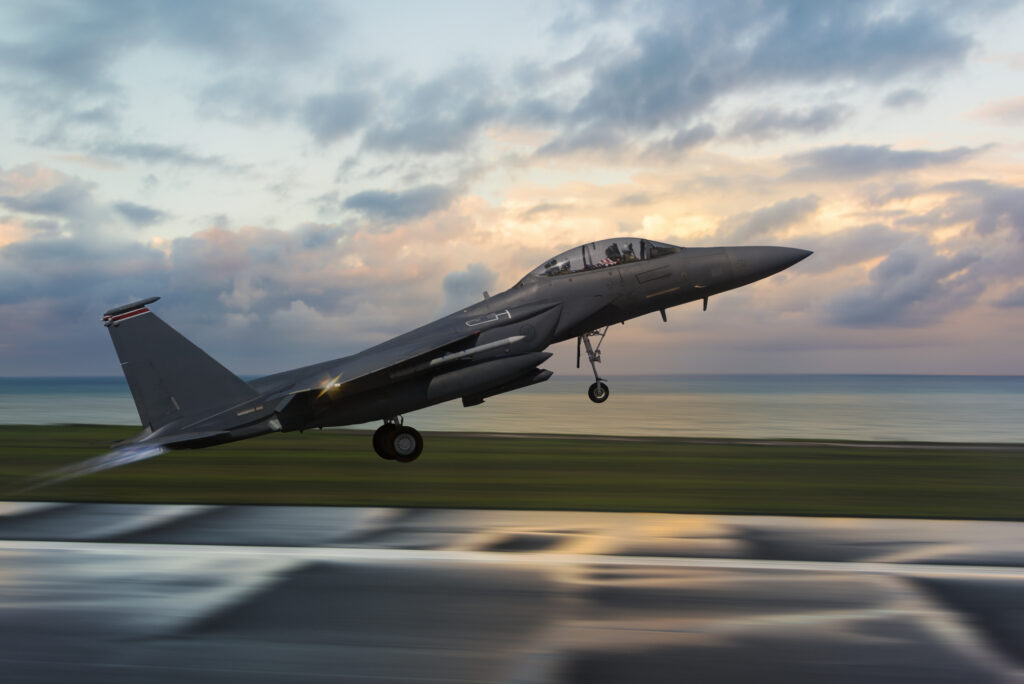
(394, 441)
(598, 392)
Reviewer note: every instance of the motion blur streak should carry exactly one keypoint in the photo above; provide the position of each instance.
(112, 459)
(125, 592)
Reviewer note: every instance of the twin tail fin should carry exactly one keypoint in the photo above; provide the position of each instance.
(169, 377)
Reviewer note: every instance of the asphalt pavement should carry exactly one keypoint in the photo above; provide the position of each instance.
(155, 593)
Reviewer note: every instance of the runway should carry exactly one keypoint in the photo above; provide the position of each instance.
(122, 592)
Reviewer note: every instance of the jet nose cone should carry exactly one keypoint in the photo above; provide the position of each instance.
(791, 255)
(755, 263)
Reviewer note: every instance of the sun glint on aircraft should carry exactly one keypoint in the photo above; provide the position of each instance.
(187, 400)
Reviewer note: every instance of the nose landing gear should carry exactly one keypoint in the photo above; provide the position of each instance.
(598, 392)
(394, 441)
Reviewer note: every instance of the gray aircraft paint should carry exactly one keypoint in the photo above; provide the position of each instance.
(186, 399)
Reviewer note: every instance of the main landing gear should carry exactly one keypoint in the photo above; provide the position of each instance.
(394, 441)
(598, 392)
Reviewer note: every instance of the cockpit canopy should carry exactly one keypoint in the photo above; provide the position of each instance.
(603, 254)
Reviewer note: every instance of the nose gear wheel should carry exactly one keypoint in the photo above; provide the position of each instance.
(598, 392)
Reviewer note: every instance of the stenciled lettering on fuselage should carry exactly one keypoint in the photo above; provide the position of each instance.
(489, 318)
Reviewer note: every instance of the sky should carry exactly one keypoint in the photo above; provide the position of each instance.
(300, 180)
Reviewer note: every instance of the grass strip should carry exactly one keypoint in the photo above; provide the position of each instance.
(339, 468)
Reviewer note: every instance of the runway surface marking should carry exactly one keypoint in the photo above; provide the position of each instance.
(378, 555)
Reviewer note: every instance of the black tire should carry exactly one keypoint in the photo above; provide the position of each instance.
(405, 443)
(381, 440)
(598, 392)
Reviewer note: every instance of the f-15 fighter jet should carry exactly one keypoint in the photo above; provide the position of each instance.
(186, 399)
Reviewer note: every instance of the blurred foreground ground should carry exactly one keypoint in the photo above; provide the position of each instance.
(168, 593)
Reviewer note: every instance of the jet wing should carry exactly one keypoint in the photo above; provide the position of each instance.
(421, 350)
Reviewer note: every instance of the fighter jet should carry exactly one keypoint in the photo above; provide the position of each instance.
(187, 400)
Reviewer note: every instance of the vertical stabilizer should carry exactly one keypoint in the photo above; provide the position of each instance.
(169, 377)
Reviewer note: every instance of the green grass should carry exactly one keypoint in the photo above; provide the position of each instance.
(568, 473)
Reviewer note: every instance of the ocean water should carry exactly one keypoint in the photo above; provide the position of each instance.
(859, 407)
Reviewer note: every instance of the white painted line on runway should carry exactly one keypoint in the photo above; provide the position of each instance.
(393, 556)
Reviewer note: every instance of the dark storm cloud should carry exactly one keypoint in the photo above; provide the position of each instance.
(389, 207)
(767, 220)
(677, 67)
(904, 97)
(913, 286)
(464, 287)
(846, 162)
(336, 115)
(762, 124)
(441, 115)
(140, 215)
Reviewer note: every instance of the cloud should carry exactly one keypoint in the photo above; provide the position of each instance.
(67, 199)
(848, 246)
(154, 153)
(845, 162)
(78, 269)
(336, 115)
(544, 208)
(74, 44)
(319, 235)
(691, 55)
(637, 199)
(590, 138)
(913, 286)
(904, 97)
(247, 99)
(261, 31)
(389, 207)
(60, 60)
(771, 122)
(139, 215)
(34, 189)
(987, 206)
(1009, 111)
(681, 143)
(440, 115)
(767, 220)
(1013, 300)
(462, 288)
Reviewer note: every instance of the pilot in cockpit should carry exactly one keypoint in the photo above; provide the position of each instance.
(628, 254)
(613, 253)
